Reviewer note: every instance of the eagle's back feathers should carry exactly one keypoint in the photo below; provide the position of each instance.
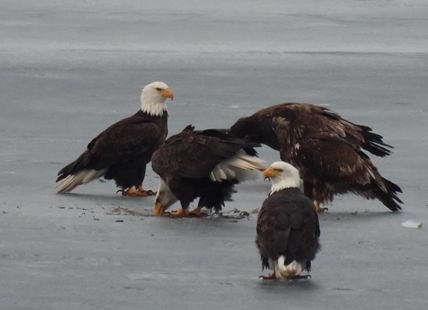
(327, 149)
(121, 152)
(288, 226)
(205, 164)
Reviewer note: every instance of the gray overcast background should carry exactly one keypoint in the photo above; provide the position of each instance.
(69, 69)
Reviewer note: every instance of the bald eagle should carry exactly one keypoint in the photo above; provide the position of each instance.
(122, 151)
(258, 127)
(330, 164)
(205, 164)
(330, 171)
(287, 226)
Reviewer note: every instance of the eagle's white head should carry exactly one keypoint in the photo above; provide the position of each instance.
(282, 175)
(153, 98)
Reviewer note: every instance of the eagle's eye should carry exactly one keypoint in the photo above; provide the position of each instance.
(279, 170)
(158, 89)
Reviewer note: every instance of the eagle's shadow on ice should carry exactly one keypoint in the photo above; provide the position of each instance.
(278, 286)
(116, 204)
(110, 198)
(356, 216)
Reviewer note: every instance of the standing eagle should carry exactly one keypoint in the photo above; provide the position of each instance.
(258, 127)
(205, 164)
(326, 149)
(287, 225)
(330, 163)
(122, 151)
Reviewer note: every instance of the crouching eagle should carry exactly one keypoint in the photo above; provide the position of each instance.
(287, 226)
(122, 151)
(205, 164)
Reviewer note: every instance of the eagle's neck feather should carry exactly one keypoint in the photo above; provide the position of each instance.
(280, 184)
(153, 106)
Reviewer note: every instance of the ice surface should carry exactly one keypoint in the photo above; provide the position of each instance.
(68, 69)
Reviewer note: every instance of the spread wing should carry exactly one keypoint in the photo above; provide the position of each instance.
(312, 119)
(315, 119)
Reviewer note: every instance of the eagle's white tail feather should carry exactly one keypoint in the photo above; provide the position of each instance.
(283, 271)
(241, 167)
(82, 177)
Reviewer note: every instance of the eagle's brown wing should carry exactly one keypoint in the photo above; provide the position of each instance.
(194, 154)
(312, 119)
(123, 141)
(335, 166)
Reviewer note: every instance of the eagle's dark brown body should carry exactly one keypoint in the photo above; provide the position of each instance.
(288, 225)
(185, 162)
(330, 164)
(123, 150)
(258, 127)
(326, 149)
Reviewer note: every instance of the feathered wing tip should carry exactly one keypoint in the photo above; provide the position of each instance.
(385, 191)
(241, 167)
(390, 198)
(392, 187)
(189, 128)
(374, 143)
(70, 182)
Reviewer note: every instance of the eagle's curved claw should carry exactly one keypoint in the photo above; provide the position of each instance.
(179, 213)
(139, 192)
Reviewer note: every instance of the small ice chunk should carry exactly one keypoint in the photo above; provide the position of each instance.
(412, 224)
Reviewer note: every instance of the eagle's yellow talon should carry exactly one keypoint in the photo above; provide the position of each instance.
(139, 192)
(318, 209)
(179, 213)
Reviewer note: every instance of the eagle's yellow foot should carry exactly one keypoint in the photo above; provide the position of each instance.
(270, 276)
(179, 213)
(197, 212)
(318, 209)
(139, 192)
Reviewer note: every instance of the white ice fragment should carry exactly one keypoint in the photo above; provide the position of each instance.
(412, 224)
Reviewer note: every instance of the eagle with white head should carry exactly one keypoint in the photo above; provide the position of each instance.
(122, 151)
(287, 226)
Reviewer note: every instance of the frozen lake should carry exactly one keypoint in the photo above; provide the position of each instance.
(70, 69)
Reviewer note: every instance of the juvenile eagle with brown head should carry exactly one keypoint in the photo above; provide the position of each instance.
(205, 164)
(287, 226)
(122, 151)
